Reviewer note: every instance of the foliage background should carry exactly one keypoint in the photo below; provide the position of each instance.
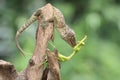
(99, 59)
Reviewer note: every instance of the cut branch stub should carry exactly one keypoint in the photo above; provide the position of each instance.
(7, 71)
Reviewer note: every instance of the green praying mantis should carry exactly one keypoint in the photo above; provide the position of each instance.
(76, 48)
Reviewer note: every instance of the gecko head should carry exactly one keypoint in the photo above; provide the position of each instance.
(69, 37)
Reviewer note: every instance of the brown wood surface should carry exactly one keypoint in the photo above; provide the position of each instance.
(44, 33)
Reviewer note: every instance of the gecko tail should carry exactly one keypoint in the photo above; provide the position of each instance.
(18, 46)
(32, 19)
(26, 25)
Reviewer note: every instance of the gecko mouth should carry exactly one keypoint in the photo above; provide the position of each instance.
(70, 40)
(73, 41)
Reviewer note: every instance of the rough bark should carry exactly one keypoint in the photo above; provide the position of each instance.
(53, 65)
(7, 71)
(35, 68)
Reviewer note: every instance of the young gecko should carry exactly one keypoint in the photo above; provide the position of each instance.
(66, 33)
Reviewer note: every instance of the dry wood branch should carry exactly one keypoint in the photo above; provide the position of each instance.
(36, 69)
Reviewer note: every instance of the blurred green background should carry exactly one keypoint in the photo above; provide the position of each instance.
(99, 59)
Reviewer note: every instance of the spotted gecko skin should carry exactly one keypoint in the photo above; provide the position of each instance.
(64, 30)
